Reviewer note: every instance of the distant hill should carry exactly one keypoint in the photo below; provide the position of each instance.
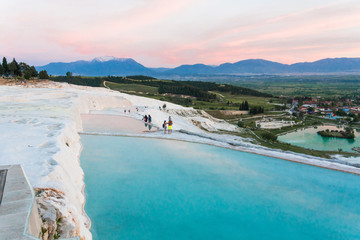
(192, 69)
(255, 66)
(328, 65)
(260, 66)
(105, 66)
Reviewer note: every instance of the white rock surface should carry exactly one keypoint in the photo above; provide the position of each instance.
(39, 130)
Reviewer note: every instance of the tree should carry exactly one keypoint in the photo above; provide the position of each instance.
(18, 71)
(240, 124)
(43, 75)
(69, 74)
(5, 66)
(269, 136)
(27, 74)
(256, 110)
(356, 118)
(34, 72)
(24, 68)
(341, 112)
(14, 68)
(246, 105)
(349, 130)
(1, 70)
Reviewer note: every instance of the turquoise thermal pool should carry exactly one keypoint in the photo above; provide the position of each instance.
(308, 138)
(140, 188)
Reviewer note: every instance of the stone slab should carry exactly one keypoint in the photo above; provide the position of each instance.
(3, 174)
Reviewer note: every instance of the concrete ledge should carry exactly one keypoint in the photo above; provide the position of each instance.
(19, 216)
(18, 198)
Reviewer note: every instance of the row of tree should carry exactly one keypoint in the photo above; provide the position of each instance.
(256, 110)
(15, 69)
(187, 90)
(244, 106)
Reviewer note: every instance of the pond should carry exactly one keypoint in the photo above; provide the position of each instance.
(308, 138)
(140, 188)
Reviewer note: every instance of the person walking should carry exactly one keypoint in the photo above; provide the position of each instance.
(149, 119)
(170, 123)
(146, 118)
(164, 126)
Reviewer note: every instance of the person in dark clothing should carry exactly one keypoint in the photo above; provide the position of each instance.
(164, 126)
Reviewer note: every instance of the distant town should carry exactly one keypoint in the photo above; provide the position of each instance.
(344, 109)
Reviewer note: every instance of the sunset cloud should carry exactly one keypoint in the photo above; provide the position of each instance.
(170, 33)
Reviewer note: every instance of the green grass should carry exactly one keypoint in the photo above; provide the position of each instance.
(308, 122)
(311, 86)
(220, 104)
(302, 85)
(218, 114)
(249, 124)
(252, 100)
(138, 88)
(227, 101)
(288, 147)
(306, 89)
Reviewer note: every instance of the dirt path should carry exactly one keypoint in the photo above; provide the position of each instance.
(13, 82)
(104, 83)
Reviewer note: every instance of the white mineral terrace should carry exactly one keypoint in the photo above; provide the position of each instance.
(40, 127)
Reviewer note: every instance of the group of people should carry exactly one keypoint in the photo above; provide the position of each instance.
(137, 110)
(168, 125)
(147, 118)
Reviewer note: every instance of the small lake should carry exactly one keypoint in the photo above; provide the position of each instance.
(140, 188)
(308, 138)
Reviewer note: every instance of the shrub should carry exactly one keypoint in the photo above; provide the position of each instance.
(27, 75)
(43, 75)
(269, 136)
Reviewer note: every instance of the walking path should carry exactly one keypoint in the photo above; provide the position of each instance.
(18, 218)
(105, 123)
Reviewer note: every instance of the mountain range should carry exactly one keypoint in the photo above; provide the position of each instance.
(105, 66)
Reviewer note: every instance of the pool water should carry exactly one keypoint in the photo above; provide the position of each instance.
(139, 188)
(114, 124)
(308, 138)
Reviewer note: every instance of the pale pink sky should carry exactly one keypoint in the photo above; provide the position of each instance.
(170, 33)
